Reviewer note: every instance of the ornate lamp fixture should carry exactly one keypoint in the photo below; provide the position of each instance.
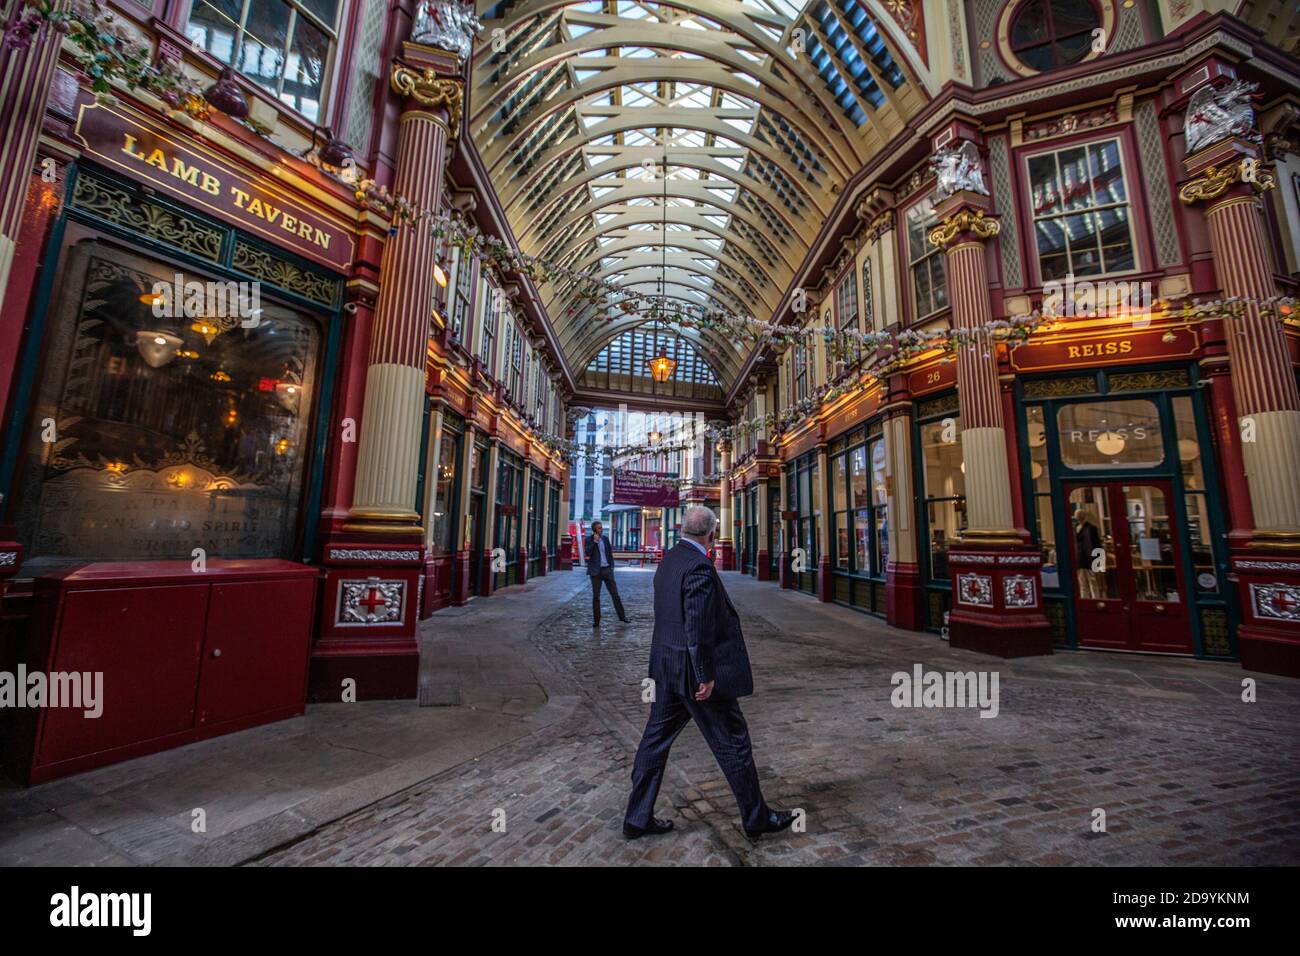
(662, 365)
(332, 154)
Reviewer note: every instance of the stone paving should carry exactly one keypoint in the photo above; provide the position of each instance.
(1186, 772)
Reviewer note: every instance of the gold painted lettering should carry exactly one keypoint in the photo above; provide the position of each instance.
(323, 239)
(128, 147)
(241, 197)
(288, 222)
(156, 158)
(188, 174)
(211, 185)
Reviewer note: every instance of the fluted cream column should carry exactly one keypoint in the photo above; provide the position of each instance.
(989, 515)
(724, 493)
(389, 449)
(1263, 381)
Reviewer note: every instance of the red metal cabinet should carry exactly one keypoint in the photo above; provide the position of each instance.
(184, 655)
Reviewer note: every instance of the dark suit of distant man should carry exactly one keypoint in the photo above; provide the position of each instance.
(700, 668)
(600, 569)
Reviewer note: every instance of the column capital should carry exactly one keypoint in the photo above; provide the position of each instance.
(975, 223)
(1239, 177)
(430, 89)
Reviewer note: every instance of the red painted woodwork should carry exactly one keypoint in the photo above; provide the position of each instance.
(904, 596)
(1268, 639)
(383, 658)
(724, 556)
(763, 562)
(825, 580)
(996, 627)
(1123, 620)
(437, 583)
(184, 655)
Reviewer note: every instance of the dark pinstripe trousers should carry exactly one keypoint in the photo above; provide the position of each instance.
(724, 729)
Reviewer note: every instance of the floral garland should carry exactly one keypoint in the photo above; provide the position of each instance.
(109, 50)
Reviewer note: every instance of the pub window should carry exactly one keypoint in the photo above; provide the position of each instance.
(1046, 34)
(846, 318)
(800, 371)
(1080, 205)
(284, 46)
(174, 432)
(491, 315)
(929, 280)
(461, 295)
(945, 489)
(516, 361)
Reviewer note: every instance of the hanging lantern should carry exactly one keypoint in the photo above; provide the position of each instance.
(662, 368)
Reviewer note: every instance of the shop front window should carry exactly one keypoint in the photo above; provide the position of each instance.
(440, 521)
(1122, 433)
(929, 280)
(1195, 499)
(152, 436)
(1041, 485)
(945, 489)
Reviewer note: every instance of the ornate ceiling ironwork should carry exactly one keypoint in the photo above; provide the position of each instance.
(759, 111)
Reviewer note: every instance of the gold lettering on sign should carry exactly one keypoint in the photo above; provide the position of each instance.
(176, 168)
(1099, 349)
(244, 202)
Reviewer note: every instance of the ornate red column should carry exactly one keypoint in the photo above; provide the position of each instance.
(996, 579)
(374, 562)
(1227, 180)
(26, 77)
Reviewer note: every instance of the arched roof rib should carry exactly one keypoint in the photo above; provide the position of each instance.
(579, 109)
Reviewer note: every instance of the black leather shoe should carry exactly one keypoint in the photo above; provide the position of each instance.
(777, 820)
(655, 828)
(625, 620)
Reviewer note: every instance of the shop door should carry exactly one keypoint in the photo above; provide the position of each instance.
(1137, 601)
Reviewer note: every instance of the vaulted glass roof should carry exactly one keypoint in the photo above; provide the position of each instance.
(685, 149)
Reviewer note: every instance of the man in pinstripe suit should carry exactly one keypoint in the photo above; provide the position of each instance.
(700, 667)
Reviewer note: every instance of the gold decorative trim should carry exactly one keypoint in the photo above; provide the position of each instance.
(429, 89)
(1216, 180)
(991, 536)
(967, 220)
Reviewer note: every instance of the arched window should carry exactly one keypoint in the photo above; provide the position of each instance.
(1047, 34)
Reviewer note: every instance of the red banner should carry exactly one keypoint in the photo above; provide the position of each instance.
(652, 489)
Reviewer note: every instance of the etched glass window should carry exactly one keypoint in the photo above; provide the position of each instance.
(152, 435)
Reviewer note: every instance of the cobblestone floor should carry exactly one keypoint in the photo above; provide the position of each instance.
(1185, 771)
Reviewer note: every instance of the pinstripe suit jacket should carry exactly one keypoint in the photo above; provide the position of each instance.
(697, 635)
